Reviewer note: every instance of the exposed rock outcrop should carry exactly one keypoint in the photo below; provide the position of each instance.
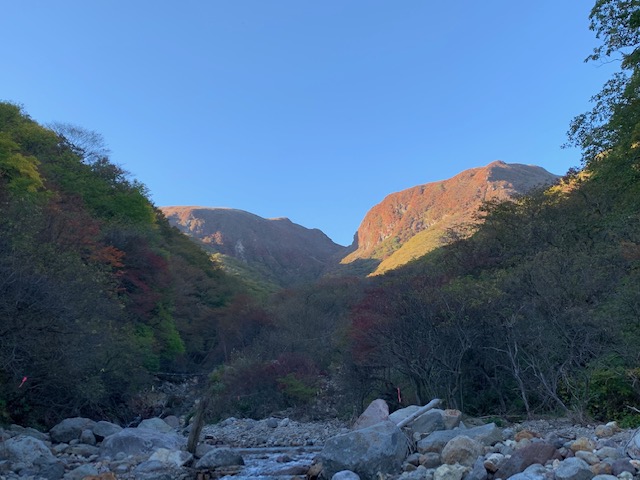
(412, 222)
(282, 252)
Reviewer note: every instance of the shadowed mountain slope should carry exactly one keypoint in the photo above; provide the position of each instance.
(278, 250)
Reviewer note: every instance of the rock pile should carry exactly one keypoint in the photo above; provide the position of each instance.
(438, 446)
(270, 432)
(80, 448)
(404, 445)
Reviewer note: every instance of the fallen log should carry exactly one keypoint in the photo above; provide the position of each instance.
(433, 403)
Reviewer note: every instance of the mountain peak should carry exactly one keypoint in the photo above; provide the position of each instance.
(411, 222)
(283, 252)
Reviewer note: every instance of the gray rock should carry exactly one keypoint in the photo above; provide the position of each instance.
(493, 461)
(486, 434)
(220, 457)
(452, 418)
(533, 472)
(450, 472)
(156, 424)
(70, 429)
(379, 448)
(605, 477)
(633, 447)
(535, 453)
(429, 422)
(30, 432)
(272, 422)
(82, 450)
(139, 441)
(51, 470)
(175, 458)
(202, 449)
(573, 469)
(622, 465)
(589, 457)
(26, 450)
(430, 460)
(376, 412)
(345, 475)
(399, 415)
(81, 472)
(553, 439)
(478, 472)
(87, 437)
(609, 452)
(462, 450)
(103, 429)
(420, 473)
(172, 421)
(155, 470)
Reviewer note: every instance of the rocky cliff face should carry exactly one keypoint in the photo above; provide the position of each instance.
(404, 226)
(284, 252)
(410, 223)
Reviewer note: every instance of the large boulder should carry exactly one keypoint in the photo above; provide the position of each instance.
(70, 429)
(399, 415)
(573, 469)
(103, 429)
(376, 412)
(139, 441)
(379, 448)
(29, 456)
(429, 422)
(487, 434)
(156, 424)
(462, 450)
(174, 458)
(633, 447)
(538, 452)
(25, 449)
(30, 432)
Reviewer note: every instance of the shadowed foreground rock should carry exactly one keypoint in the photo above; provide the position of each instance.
(379, 448)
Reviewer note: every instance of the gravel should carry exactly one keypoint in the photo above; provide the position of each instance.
(271, 432)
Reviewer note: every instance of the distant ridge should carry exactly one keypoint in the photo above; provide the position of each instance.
(412, 222)
(282, 252)
(404, 226)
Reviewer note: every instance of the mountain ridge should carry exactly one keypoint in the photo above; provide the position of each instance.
(403, 226)
(429, 210)
(287, 253)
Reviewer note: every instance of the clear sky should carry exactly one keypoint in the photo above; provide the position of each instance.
(309, 109)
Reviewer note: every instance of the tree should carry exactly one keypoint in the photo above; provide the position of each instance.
(87, 144)
(614, 120)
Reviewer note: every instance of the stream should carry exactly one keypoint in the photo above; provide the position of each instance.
(269, 463)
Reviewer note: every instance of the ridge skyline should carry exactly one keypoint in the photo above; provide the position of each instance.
(354, 234)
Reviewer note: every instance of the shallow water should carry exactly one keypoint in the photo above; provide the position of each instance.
(282, 463)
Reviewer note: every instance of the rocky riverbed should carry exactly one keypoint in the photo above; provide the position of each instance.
(440, 445)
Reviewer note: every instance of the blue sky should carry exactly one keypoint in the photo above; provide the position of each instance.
(313, 110)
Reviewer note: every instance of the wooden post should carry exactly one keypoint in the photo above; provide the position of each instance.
(198, 423)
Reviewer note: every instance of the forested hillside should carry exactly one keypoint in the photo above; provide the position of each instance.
(537, 311)
(540, 309)
(96, 289)
(534, 310)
